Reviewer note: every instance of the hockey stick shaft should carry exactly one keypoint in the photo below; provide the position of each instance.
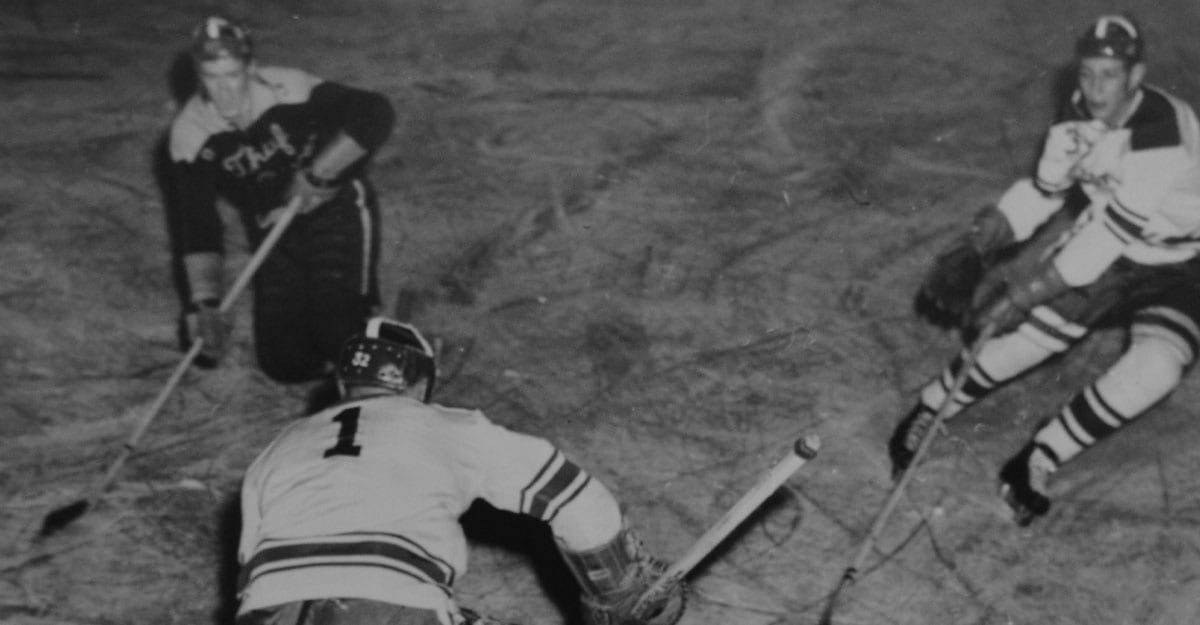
(889, 505)
(60, 517)
(803, 450)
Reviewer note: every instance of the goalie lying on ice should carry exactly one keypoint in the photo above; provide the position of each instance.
(351, 515)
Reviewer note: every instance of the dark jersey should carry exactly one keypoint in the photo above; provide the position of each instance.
(295, 114)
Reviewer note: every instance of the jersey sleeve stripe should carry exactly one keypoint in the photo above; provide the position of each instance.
(543, 472)
(562, 502)
(1124, 229)
(1119, 208)
(1047, 188)
(557, 482)
(1122, 235)
(545, 497)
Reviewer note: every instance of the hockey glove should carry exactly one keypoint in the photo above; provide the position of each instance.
(1066, 144)
(312, 190)
(1012, 305)
(614, 576)
(1102, 164)
(206, 322)
(946, 294)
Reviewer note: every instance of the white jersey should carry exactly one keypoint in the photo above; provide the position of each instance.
(1143, 183)
(363, 499)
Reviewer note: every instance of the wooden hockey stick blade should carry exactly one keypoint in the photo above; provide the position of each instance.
(831, 603)
(66, 514)
(897, 491)
(803, 450)
(59, 518)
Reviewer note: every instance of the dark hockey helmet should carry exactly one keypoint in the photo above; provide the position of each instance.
(217, 37)
(388, 354)
(1115, 36)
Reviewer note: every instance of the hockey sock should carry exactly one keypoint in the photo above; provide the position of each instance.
(1148, 371)
(1000, 360)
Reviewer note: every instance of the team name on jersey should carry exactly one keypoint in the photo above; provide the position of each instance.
(248, 159)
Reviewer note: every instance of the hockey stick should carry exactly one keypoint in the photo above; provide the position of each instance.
(59, 517)
(803, 450)
(851, 572)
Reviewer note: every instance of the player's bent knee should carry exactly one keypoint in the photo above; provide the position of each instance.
(1153, 364)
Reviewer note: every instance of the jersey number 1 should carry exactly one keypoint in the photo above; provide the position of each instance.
(345, 443)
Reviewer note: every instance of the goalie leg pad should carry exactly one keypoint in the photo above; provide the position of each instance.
(604, 570)
(614, 576)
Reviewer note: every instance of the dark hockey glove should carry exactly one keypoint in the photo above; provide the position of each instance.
(948, 290)
(1011, 306)
(205, 321)
(613, 578)
(312, 190)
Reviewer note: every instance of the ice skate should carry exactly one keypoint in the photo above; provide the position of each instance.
(907, 437)
(1023, 485)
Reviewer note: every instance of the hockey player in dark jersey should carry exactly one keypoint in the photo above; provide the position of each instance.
(1130, 259)
(351, 515)
(260, 137)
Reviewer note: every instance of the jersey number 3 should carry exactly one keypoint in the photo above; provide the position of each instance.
(345, 446)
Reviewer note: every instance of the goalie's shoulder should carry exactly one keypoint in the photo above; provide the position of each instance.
(398, 407)
(459, 417)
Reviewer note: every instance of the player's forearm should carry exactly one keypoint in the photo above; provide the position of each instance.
(339, 154)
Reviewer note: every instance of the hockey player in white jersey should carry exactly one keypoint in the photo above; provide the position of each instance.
(351, 515)
(1130, 259)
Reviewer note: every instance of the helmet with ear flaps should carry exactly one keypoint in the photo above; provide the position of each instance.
(388, 354)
